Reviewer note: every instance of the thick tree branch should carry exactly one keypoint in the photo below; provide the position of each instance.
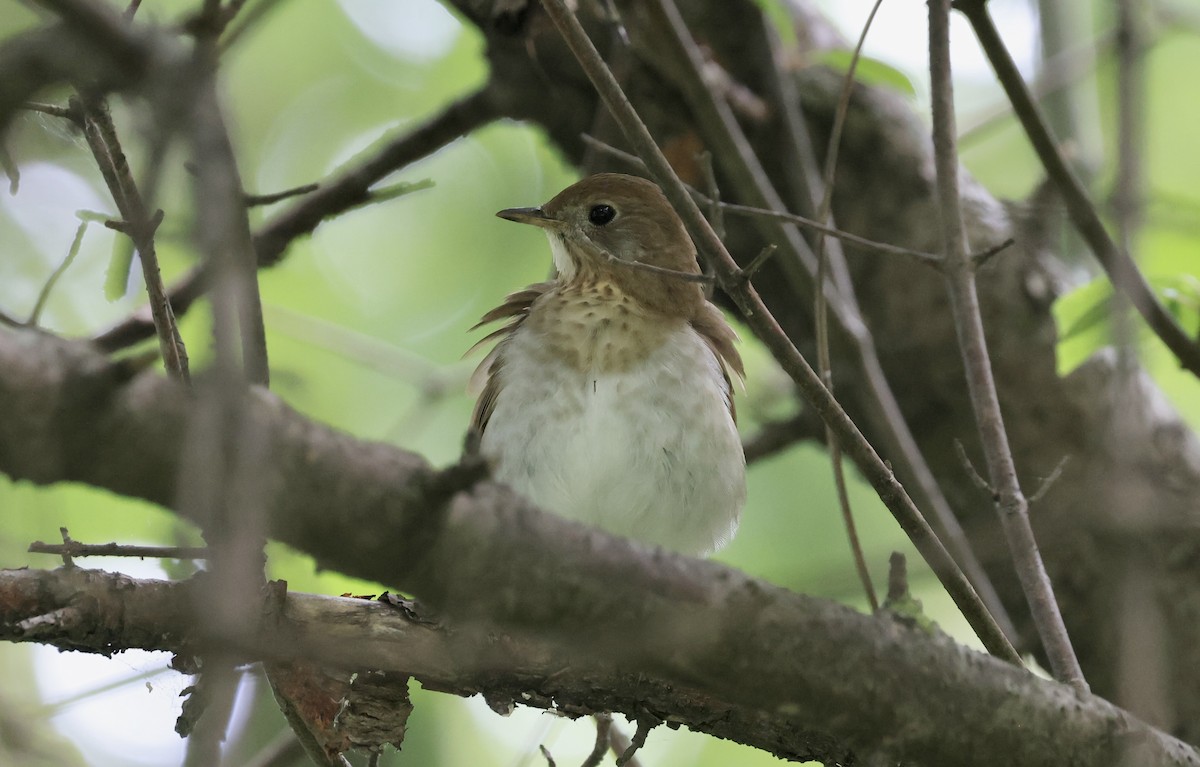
(92, 611)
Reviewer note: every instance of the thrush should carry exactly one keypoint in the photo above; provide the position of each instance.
(607, 398)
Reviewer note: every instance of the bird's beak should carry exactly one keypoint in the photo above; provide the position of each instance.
(535, 216)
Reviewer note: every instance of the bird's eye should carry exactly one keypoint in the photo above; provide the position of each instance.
(601, 214)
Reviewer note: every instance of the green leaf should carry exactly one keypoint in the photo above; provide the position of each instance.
(1180, 294)
(1082, 317)
(869, 71)
(116, 279)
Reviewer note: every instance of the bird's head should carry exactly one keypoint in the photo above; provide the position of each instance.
(605, 226)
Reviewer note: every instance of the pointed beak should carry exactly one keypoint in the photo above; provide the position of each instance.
(535, 216)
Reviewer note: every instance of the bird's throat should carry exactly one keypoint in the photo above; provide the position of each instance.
(595, 326)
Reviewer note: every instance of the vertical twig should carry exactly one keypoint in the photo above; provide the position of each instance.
(759, 317)
(224, 483)
(1127, 198)
(139, 224)
(821, 310)
(753, 184)
(44, 294)
(1143, 664)
(964, 300)
(1121, 269)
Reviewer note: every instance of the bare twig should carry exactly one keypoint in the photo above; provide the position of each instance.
(897, 577)
(898, 437)
(256, 200)
(778, 435)
(225, 484)
(816, 226)
(780, 215)
(604, 725)
(248, 21)
(1121, 269)
(1128, 197)
(102, 139)
(645, 723)
(715, 211)
(765, 326)
(1011, 504)
(1049, 480)
(44, 293)
(821, 311)
(70, 548)
(346, 190)
(964, 460)
(759, 261)
(54, 110)
(67, 560)
(284, 751)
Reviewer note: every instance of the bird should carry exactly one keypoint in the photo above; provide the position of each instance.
(607, 398)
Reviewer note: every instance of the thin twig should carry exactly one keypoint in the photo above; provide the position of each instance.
(780, 215)
(715, 211)
(897, 578)
(101, 136)
(768, 329)
(345, 190)
(816, 226)
(821, 312)
(68, 561)
(285, 750)
(226, 448)
(746, 168)
(604, 725)
(896, 431)
(972, 473)
(54, 110)
(247, 21)
(645, 724)
(256, 200)
(1121, 269)
(759, 261)
(777, 436)
(44, 294)
(1011, 504)
(70, 548)
(1049, 480)
(1128, 194)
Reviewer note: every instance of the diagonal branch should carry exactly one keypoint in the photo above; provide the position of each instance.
(1121, 269)
(759, 318)
(348, 189)
(752, 183)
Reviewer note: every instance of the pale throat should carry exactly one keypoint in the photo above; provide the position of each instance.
(562, 259)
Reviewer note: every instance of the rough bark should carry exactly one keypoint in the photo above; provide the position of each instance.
(1124, 511)
(532, 608)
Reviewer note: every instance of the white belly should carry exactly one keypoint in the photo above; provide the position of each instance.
(650, 453)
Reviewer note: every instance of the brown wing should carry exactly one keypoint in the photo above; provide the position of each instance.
(720, 337)
(486, 377)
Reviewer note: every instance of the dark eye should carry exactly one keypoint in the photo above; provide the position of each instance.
(601, 214)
